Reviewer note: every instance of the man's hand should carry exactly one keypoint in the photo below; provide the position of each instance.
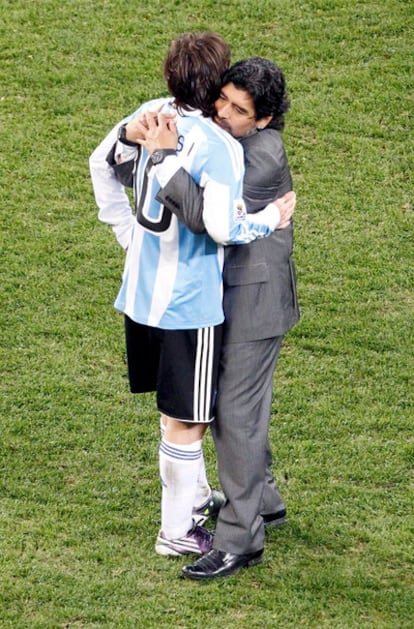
(137, 128)
(286, 206)
(158, 131)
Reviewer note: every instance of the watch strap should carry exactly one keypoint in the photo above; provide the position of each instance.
(158, 156)
(122, 136)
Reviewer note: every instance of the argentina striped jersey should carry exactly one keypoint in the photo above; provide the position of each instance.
(172, 277)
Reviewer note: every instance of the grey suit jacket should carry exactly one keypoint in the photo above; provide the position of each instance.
(260, 298)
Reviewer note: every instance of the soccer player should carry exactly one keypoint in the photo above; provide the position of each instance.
(171, 293)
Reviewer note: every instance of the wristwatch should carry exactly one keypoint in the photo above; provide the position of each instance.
(122, 136)
(158, 156)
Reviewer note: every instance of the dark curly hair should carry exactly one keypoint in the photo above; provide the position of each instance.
(265, 83)
(193, 69)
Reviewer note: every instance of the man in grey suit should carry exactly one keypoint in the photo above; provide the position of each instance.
(260, 306)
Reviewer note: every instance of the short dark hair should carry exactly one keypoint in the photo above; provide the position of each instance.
(194, 68)
(265, 83)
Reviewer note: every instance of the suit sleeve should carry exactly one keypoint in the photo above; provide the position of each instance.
(184, 198)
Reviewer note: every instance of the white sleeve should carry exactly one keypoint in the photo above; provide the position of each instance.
(113, 202)
(235, 226)
(124, 153)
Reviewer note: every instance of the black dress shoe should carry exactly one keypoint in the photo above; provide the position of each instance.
(275, 519)
(217, 563)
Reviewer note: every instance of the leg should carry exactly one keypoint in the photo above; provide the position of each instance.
(152, 364)
(181, 392)
(204, 490)
(180, 455)
(272, 499)
(183, 433)
(273, 506)
(241, 437)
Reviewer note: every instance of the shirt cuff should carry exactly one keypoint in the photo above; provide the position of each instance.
(124, 153)
(272, 212)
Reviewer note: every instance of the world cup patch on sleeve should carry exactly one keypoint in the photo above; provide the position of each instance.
(239, 210)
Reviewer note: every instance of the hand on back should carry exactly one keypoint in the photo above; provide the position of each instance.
(154, 130)
(286, 206)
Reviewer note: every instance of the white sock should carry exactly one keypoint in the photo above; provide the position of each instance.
(179, 467)
(203, 487)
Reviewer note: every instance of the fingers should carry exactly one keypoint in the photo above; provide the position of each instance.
(287, 197)
(157, 118)
(157, 131)
(138, 126)
(172, 125)
(158, 123)
(286, 205)
(286, 212)
(151, 121)
(284, 224)
(167, 122)
(136, 129)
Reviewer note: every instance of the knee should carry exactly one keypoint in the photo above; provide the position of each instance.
(183, 433)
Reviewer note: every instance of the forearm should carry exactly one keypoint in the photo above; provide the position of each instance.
(111, 198)
(184, 198)
(235, 226)
(194, 205)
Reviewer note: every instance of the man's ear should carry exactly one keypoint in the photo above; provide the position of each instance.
(263, 122)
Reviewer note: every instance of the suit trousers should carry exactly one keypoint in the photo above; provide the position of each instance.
(240, 433)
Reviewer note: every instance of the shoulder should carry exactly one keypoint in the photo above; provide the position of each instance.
(210, 141)
(264, 144)
(223, 142)
(264, 154)
(267, 173)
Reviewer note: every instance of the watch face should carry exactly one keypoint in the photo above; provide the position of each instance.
(157, 157)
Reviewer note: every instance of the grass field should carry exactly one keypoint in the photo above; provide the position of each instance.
(79, 488)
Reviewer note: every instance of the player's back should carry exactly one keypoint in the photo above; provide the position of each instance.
(172, 277)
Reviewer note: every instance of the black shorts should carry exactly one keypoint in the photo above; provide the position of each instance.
(180, 365)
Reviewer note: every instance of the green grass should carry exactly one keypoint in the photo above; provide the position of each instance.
(79, 489)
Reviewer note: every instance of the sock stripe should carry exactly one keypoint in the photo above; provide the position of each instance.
(179, 454)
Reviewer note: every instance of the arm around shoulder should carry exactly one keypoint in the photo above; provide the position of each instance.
(184, 198)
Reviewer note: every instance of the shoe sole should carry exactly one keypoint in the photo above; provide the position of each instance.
(167, 552)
